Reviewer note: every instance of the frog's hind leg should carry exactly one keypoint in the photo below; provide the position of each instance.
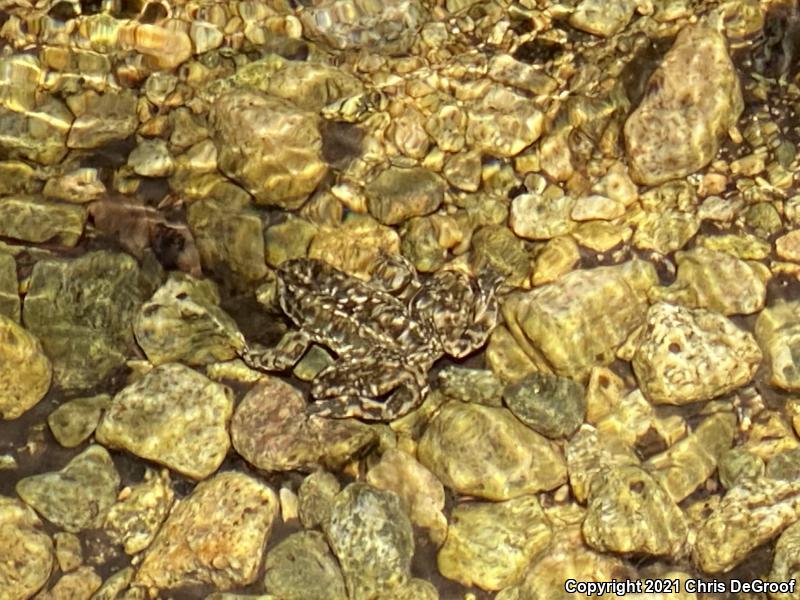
(400, 402)
(283, 356)
(379, 388)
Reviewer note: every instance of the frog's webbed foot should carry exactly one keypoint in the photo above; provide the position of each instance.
(401, 401)
(290, 348)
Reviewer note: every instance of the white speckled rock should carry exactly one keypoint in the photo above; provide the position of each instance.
(687, 355)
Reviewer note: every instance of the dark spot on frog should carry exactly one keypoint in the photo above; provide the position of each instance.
(341, 142)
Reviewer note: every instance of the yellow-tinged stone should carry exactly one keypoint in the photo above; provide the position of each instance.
(506, 358)
(688, 464)
(27, 551)
(490, 544)
(355, 246)
(788, 246)
(688, 355)
(419, 489)
(601, 236)
(693, 99)
(778, 333)
(217, 535)
(718, 281)
(745, 246)
(25, 371)
(603, 392)
(487, 452)
(558, 256)
(579, 321)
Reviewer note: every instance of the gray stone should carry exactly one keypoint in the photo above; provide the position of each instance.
(78, 496)
(554, 406)
(302, 567)
(372, 538)
(82, 310)
(183, 322)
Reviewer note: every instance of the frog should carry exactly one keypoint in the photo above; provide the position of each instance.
(386, 332)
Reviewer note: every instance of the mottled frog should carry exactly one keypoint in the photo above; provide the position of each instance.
(386, 333)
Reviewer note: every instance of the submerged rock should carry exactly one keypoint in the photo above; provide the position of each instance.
(750, 514)
(78, 496)
(216, 536)
(229, 239)
(10, 304)
(173, 415)
(302, 567)
(686, 465)
(421, 492)
(272, 431)
(387, 27)
(73, 422)
(82, 310)
(396, 194)
(486, 452)
(581, 319)
(491, 544)
(315, 498)
(718, 281)
(103, 118)
(786, 564)
(25, 371)
(372, 538)
(134, 520)
(183, 322)
(27, 550)
(554, 406)
(687, 355)
(269, 145)
(34, 219)
(659, 528)
(778, 334)
(693, 99)
(602, 17)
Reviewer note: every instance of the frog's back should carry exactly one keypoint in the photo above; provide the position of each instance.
(342, 312)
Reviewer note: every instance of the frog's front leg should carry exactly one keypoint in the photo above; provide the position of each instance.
(290, 348)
